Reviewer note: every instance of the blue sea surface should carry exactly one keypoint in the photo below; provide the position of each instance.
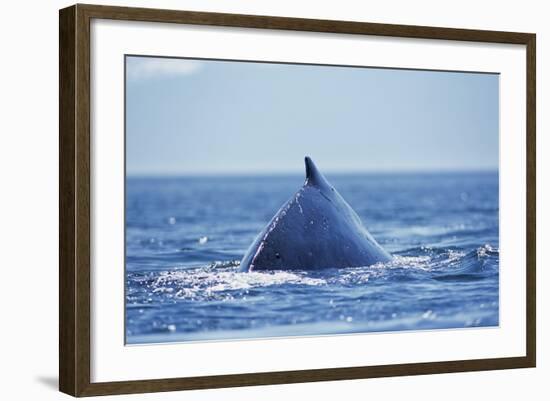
(185, 237)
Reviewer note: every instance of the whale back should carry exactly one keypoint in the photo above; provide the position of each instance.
(314, 229)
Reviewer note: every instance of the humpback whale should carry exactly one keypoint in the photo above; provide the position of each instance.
(314, 229)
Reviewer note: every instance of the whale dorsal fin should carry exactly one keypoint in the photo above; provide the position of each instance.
(313, 175)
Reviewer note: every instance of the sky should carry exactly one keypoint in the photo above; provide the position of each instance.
(210, 117)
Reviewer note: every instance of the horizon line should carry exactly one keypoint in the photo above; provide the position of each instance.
(175, 174)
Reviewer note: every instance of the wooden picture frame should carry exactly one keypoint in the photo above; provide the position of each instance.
(74, 199)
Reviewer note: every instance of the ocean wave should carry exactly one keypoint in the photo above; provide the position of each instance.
(221, 280)
(217, 281)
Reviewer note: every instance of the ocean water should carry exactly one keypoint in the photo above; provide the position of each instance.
(185, 237)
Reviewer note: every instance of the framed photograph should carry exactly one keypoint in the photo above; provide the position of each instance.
(250, 200)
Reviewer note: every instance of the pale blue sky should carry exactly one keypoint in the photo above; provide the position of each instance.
(211, 117)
